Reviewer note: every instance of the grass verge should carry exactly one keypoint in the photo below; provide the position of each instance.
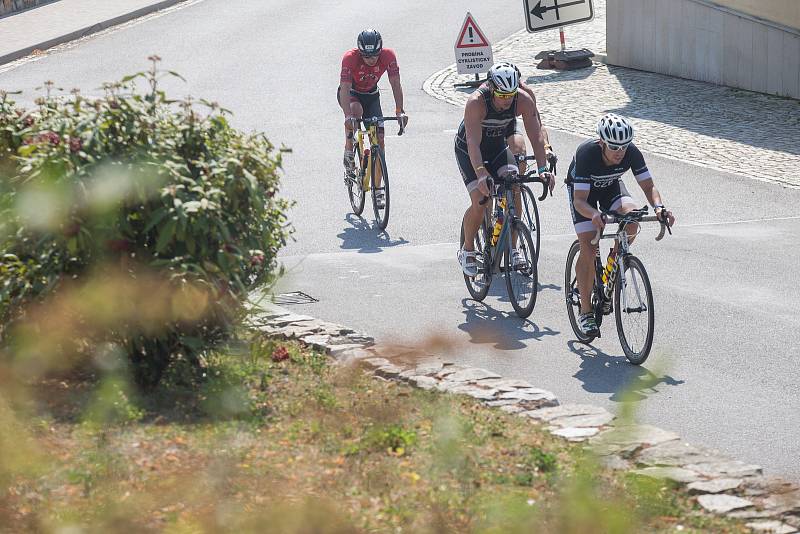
(276, 439)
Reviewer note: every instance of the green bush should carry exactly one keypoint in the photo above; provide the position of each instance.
(137, 186)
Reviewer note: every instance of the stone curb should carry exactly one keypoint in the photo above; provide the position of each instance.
(88, 30)
(722, 485)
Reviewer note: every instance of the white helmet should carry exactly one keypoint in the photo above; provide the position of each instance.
(505, 77)
(615, 130)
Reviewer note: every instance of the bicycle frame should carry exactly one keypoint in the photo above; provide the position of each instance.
(621, 238)
(505, 238)
(369, 127)
(371, 132)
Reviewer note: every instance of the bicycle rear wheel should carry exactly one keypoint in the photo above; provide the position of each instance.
(478, 286)
(522, 280)
(379, 164)
(572, 294)
(355, 189)
(530, 216)
(633, 303)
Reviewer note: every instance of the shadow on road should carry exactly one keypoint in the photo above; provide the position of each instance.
(602, 373)
(364, 236)
(505, 331)
(778, 124)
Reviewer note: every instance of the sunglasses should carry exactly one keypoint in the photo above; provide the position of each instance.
(374, 56)
(617, 148)
(504, 96)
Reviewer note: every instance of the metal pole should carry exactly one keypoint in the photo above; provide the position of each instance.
(563, 40)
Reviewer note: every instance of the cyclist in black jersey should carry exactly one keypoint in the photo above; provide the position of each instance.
(594, 178)
(485, 134)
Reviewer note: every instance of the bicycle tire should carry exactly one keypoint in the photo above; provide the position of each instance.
(381, 214)
(478, 286)
(522, 283)
(634, 266)
(530, 216)
(572, 295)
(355, 188)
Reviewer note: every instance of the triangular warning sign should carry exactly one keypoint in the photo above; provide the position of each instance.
(470, 35)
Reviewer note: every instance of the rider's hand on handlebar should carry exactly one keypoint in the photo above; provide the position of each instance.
(483, 185)
(598, 220)
(402, 119)
(551, 180)
(665, 215)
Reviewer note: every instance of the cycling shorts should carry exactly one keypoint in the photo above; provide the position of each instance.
(608, 198)
(498, 164)
(370, 102)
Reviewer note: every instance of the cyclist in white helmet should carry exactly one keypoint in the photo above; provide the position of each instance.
(485, 134)
(594, 178)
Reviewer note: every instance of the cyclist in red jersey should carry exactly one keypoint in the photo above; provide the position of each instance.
(358, 93)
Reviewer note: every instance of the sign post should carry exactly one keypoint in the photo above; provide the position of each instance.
(473, 51)
(547, 14)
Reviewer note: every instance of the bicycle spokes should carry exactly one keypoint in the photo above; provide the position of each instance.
(634, 313)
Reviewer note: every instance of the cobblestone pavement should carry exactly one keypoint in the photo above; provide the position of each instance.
(727, 129)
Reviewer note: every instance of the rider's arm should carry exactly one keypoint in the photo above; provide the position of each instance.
(533, 127)
(346, 82)
(645, 181)
(580, 178)
(580, 199)
(344, 97)
(389, 60)
(527, 89)
(474, 113)
(397, 91)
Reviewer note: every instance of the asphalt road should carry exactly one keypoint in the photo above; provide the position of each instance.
(723, 370)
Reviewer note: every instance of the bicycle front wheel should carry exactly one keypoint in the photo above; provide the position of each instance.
(381, 207)
(522, 278)
(572, 294)
(478, 286)
(633, 303)
(355, 189)
(530, 216)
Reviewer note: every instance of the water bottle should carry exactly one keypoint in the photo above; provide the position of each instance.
(610, 262)
(365, 170)
(609, 274)
(498, 226)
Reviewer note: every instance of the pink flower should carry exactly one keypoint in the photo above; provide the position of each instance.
(280, 354)
(257, 259)
(75, 144)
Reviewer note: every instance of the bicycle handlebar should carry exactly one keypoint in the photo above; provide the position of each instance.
(369, 121)
(534, 175)
(611, 217)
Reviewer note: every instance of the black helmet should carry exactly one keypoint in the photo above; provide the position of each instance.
(370, 42)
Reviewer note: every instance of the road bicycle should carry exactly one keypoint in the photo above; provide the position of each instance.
(494, 245)
(370, 173)
(621, 286)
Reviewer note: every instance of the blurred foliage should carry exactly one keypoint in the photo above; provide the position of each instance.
(133, 219)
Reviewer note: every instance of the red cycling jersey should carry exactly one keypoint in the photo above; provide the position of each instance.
(365, 78)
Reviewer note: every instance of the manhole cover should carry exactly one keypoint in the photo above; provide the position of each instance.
(295, 297)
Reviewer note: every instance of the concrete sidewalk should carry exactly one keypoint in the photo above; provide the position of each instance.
(66, 20)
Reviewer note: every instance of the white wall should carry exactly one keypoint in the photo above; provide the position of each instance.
(693, 39)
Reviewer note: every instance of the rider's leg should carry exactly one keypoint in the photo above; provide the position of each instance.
(475, 212)
(623, 203)
(356, 111)
(584, 269)
(473, 218)
(516, 143)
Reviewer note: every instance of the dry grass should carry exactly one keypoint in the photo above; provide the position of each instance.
(299, 446)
